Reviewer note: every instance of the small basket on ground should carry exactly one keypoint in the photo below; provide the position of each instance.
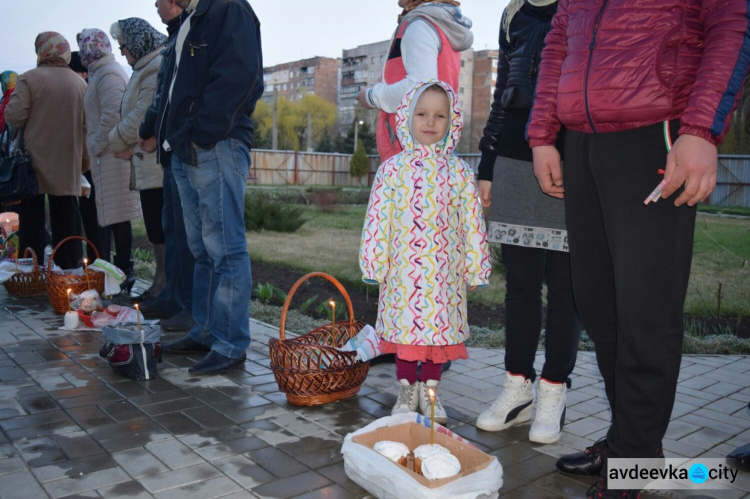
(59, 284)
(310, 369)
(28, 284)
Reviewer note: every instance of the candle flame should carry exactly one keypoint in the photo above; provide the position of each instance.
(85, 261)
(431, 393)
(69, 290)
(136, 306)
(332, 303)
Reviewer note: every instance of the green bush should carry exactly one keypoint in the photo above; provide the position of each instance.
(264, 212)
(359, 166)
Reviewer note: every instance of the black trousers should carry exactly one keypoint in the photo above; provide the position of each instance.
(64, 220)
(630, 266)
(152, 205)
(526, 270)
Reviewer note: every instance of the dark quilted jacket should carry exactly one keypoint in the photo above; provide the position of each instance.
(612, 65)
(517, 68)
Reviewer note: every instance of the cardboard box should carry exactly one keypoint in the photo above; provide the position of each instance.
(413, 435)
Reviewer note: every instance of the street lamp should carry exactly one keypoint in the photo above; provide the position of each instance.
(356, 132)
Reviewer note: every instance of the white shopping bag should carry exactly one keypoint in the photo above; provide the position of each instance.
(388, 480)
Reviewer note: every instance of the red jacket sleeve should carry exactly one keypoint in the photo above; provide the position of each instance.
(718, 83)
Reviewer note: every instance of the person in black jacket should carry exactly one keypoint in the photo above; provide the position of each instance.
(204, 119)
(530, 226)
(174, 304)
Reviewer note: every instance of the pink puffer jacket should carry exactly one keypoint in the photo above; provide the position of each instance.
(612, 65)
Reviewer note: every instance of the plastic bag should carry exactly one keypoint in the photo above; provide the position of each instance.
(385, 480)
(85, 187)
(88, 301)
(113, 276)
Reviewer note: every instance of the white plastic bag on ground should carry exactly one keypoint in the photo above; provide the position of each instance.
(385, 480)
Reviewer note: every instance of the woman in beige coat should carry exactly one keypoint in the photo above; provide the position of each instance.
(116, 204)
(48, 102)
(141, 45)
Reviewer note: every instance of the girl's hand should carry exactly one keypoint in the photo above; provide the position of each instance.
(485, 192)
(472, 288)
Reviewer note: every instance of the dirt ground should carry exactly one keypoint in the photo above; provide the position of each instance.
(365, 304)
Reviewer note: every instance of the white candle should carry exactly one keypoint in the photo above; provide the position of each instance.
(71, 320)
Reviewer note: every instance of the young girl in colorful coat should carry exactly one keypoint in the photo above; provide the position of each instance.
(424, 243)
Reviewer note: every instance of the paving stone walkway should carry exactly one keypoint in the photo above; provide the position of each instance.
(71, 427)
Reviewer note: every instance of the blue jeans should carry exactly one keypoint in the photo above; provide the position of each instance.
(213, 203)
(179, 261)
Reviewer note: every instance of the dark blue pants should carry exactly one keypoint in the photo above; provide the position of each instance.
(630, 265)
(179, 261)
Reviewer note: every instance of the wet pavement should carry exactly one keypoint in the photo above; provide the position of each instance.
(71, 427)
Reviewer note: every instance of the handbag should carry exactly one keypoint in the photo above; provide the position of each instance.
(132, 352)
(17, 178)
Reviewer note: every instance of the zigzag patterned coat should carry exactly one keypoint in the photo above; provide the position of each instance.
(424, 237)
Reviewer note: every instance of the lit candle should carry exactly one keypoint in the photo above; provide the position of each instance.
(138, 316)
(86, 272)
(333, 314)
(431, 393)
(69, 290)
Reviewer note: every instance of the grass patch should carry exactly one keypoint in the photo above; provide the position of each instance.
(720, 254)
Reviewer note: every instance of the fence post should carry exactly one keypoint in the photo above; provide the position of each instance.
(296, 167)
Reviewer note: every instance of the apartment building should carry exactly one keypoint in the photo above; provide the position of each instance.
(360, 68)
(293, 80)
(484, 77)
(340, 80)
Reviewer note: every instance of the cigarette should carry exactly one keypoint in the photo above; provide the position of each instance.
(655, 194)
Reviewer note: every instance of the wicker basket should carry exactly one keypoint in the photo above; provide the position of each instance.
(58, 284)
(28, 284)
(309, 369)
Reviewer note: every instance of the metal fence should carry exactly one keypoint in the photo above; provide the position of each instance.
(313, 168)
(732, 181)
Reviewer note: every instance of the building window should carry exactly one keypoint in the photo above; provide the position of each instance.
(460, 90)
(462, 62)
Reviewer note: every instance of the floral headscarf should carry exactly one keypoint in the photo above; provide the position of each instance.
(140, 37)
(8, 80)
(50, 44)
(93, 44)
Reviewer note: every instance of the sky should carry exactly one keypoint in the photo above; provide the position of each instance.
(290, 29)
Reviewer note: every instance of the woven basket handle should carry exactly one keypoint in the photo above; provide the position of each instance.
(300, 281)
(52, 256)
(31, 251)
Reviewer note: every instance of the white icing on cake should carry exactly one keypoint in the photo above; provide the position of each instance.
(392, 450)
(427, 450)
(440, 465)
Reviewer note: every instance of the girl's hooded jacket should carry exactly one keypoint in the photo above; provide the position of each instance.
(424, 237)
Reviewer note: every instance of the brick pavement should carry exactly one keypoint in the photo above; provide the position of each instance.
(71, 427)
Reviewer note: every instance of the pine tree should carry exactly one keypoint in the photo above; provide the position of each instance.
(359, 166)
